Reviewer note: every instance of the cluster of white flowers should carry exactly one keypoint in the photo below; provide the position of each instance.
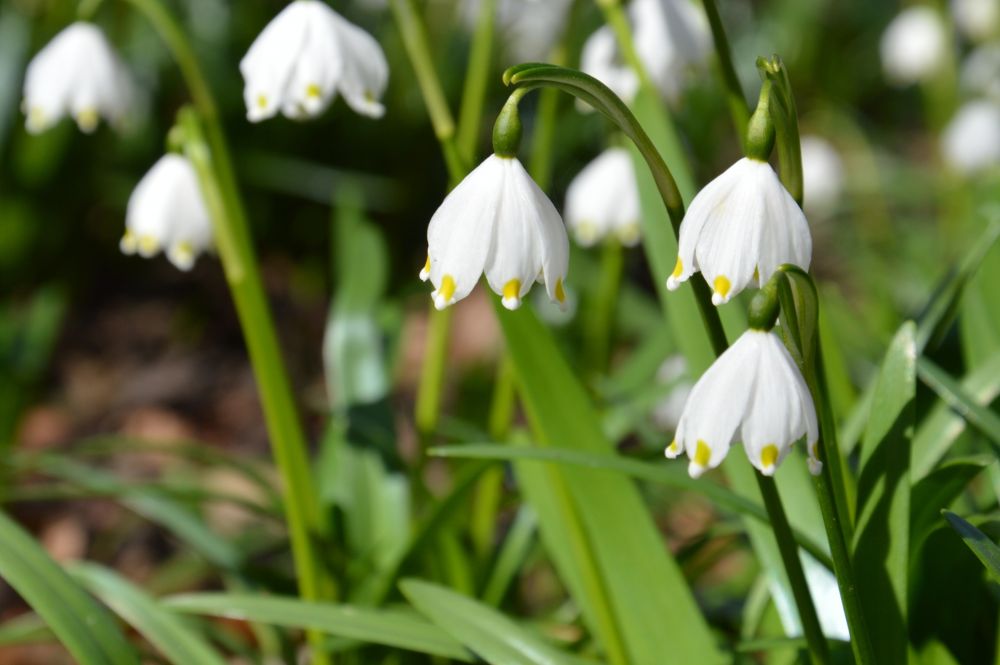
(672, 39)
(915, 46)
(297, 66)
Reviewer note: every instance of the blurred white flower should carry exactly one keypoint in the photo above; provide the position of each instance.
(601, 59)
(167, 212)
(740, 228)
(667, 413)
(822, 174)
(304, 57)
(971, 141)
(980, 73)
(978, 20)
(672, 38)
(529, 29)
(76, 74)
(753, 392)
(913, 46)
(496, 221)
(603, 199)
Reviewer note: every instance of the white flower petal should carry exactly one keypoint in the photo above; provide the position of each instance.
(604, 199)
(304, 56)
(499, 222)
(913, 45)
(167, 211)
(76, 74)
(717, 405)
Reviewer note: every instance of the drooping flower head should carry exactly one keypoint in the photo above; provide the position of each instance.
(671, 39)
(76, 74)
(497, 222)
(167, 212)
(304, 57)
(753, 393)
(739, 229)
(979, 20)
(913, 46)
(603, 200)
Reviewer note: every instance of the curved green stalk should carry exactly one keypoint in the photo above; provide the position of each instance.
(596, 94)
(205, 145)
(786, 125)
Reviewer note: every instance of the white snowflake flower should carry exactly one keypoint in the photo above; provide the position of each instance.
(76, 74)
(753, 393)
(603, 199)
(979, 20)
(167, 212)
(496, 221)
(304, 57)
(971, 141)
(740, 228)
(672, 38)
(913, 46)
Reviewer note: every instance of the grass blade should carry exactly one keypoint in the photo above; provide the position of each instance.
(85, 628)
(984, 548)
(488, 633)
(393, 629)
(648, 609)
(881, 544)
(178, 642)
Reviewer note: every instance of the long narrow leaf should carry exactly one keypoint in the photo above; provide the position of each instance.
(984, 548)
(881, 548)
(486, 632)
(394, 629)
(82, 626)
(652, 611)
(180, 643)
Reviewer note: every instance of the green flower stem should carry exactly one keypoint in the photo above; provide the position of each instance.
(428, 407)
(735, 99)
(205, 146)
(603, 100)
(86, 10)
(288, 444)
(476, 77)
(418, 51)
(600, 313)
(615, 16)
(798, 316)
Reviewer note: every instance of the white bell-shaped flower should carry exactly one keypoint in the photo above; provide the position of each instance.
(971, 141)
(529, 29)
(304, 57)
(671, 38)
(822, 174)
(76, 74)
(496, 221)
(740, 228)
(913, 46)
(167, 212)
(603, 200)
(753, 393)
(601, 59)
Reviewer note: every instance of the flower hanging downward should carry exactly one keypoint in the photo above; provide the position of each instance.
(603, 199)
(753, 393)
(740, 228)
(497, 221)
(167, 211)
(304, 56)
(76, 74)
